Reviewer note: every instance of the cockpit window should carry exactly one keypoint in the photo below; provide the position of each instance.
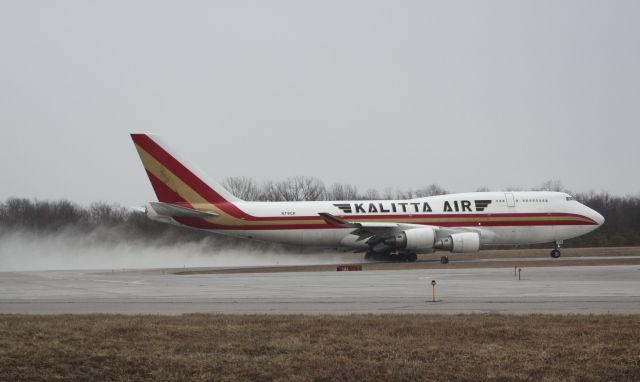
(570, 198)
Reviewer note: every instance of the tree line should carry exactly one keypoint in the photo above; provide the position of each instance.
(309, 188)
(102, 224)
(111, 223)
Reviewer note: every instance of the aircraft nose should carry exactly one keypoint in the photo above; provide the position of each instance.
(595, 216)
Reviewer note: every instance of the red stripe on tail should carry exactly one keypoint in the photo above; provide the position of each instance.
(168, 161)
(178, 169)
(163, 192)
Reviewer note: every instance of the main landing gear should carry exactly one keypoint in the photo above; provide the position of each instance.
(395, 257)
(444, 260)
(409, 257)
(555, 252)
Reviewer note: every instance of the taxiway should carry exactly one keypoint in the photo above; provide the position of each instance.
(562, 290)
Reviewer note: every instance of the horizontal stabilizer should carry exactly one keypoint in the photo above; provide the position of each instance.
(173, 210)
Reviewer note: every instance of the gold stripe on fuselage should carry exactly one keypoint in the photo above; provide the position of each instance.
(198, 201)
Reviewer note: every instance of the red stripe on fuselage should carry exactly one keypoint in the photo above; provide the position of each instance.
(451, 215)
(400, 218)
(200, 223)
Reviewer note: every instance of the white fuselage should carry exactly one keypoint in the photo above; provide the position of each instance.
(498, 217)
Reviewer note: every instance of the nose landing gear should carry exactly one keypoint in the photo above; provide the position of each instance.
(555, 252)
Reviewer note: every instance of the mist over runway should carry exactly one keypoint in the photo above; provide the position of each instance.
(563, 290)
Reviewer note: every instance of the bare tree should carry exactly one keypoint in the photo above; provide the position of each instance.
(552, 185)
(295, 189)
(243, 188)
(388, 193)
(371, 194)
(340, 191)
(406, 194)
(270, 192)
(512, 188)
(430, 190)
(106, 214)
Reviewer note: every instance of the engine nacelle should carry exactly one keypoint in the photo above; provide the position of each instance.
(460, 242)
(416, 239)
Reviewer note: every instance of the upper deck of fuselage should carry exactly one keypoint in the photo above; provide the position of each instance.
(460, 203)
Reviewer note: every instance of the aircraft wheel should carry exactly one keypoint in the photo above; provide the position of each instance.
(555, 253)
(412, 257)
(444, 260)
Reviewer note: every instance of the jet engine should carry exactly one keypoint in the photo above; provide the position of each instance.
(417, 239)
(459, 242)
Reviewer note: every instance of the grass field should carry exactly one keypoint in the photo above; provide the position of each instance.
(264, 348)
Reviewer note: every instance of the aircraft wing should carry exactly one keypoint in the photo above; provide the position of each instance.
(374, 230)
(334, 220)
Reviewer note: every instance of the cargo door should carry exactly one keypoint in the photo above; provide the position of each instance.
(511, 200)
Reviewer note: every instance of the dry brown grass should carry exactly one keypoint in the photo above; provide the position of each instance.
(360, 347)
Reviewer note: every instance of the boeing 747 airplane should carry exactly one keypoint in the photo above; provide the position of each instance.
(383, 229)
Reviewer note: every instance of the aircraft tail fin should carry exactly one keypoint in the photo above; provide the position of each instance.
(175, 180)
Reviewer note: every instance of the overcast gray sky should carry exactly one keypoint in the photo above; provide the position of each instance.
(377, 94)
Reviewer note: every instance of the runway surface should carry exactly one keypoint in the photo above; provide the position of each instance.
(566, 289)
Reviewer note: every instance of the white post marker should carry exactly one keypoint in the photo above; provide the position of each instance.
(433, 286)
